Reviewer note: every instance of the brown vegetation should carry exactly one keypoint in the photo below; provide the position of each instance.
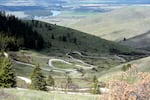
(123, 90)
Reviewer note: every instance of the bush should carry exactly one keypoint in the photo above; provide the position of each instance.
(121, 90)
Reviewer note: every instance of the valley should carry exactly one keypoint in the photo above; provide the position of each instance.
(74, 50)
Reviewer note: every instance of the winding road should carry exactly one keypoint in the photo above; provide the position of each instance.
(27, 80)
(71, 71)
(91, 66)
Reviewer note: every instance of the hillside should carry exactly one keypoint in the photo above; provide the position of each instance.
(66, 52)
(142, 66)
(140, 41)
(61, 40)
(85, 54)
(17, 34)
(115, 25)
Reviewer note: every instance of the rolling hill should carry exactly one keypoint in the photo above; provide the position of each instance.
(61, 40)
(55, 41)
(115, 25)
(93, 54)
(16, 34)
(139, 42)
(142, 66)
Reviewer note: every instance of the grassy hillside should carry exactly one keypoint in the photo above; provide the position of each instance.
(115, 25)
(60, 40)
(16, 34)
(142, 66)
(140, 41)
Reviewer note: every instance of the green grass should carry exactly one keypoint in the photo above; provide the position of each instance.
(39, 95)
(57, 48)
(81, 42)
(23, 70)
(142, 66)
(63, 65)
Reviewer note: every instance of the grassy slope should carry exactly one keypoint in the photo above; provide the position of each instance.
(84, 42)
(115, 25)
(140, 41)
(14, 94)
(67, 18)
(142, 65)
(87, 43)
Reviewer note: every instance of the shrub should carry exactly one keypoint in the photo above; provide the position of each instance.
(121, 90)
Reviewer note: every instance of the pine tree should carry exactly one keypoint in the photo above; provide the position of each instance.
(52, 36)
(64, 39)
(69, 80)
(95, 86)
(68, 83)
(7, 74)
(126, 67)
(50, 81)
(38, 81)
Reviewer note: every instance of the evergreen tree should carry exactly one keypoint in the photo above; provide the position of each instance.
(7, 74)
(69, 80)
(95, 79)
(16, 34)
(52, 36)
(64, 39)
(50, 81)
(68, 83)
(95, 86)
(38, 80)
(75, 40)
(126, 67)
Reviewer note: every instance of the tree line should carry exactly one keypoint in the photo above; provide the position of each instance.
(16, 34)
